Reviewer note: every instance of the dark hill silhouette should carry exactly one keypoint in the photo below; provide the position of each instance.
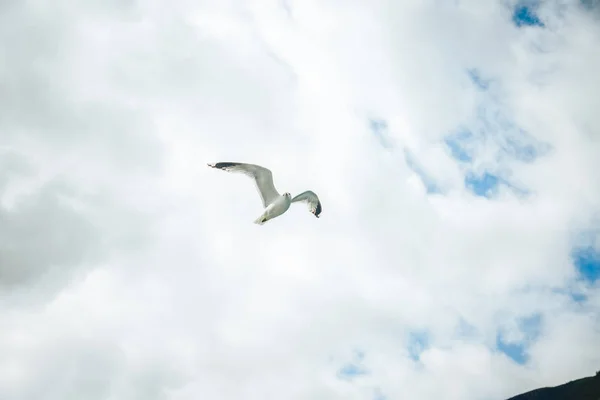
(580, 389)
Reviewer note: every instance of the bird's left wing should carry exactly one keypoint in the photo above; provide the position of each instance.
(263, 178)
(314, 204)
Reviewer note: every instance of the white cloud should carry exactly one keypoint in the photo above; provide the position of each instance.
(130, 270)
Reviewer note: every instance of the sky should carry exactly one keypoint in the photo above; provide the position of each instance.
(453, 144)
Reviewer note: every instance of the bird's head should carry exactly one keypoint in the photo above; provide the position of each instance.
(286, 194)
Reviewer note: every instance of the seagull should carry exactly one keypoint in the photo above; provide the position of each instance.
(274, 203)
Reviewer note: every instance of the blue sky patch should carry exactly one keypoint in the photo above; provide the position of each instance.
(515, 351)
(510, 140)
(354, 368)
(492, 136)
(482, 185)
(350, 371)
(524, 14)
(478, 80)
(418, 341)
(457, 144)
(487, 184)
(587, 263)
(531, 328)
(578, 297)
(379, 127)
(520, 149)
(575, 295)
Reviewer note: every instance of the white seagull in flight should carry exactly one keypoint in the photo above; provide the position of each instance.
(274, 203)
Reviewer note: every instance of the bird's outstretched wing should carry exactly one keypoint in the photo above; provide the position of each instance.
(262, 177)
(314, 205)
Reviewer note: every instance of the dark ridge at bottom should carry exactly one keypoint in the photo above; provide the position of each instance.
(580, 389)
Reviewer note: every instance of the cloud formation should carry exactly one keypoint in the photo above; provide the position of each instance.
(453, 146)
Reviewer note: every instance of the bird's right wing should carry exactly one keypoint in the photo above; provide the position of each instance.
(311, 198)
(262, 177)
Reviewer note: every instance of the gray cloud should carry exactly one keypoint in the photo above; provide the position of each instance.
(66, 143)
(42, 236)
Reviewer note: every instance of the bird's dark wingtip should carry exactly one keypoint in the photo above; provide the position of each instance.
(318, 210)
(223, 165)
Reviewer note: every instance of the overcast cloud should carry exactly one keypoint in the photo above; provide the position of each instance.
(454, 148)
